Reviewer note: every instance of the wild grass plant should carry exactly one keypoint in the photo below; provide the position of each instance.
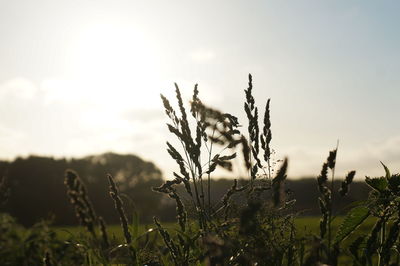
(227, 231)
(254, 223)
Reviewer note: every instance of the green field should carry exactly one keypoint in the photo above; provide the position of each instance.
(310, 225)
(304, 225)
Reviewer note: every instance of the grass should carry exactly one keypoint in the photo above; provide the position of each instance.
(254, 224)
(311, 225)
(304, 225)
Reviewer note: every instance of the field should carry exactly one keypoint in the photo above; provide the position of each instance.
(304, 226)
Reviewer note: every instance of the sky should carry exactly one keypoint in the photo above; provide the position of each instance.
(84, 77)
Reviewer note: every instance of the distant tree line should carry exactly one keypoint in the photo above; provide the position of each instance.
(37, 189)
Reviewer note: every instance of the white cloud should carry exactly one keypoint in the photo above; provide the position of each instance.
(368, 158)
(144, 115)
(208, 93)
(18, 88)
(10, 140)
(388, 149)
(55, 90)
(67, 118)
(365, 160)
(202, 56)
(303, 162)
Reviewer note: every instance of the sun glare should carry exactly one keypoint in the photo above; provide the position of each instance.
(116, 59)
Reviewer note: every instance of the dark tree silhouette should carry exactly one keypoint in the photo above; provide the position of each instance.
(37, 187)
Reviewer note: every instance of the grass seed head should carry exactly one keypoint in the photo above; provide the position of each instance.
(114, 193)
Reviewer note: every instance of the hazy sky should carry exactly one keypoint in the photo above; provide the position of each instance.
(84, 77)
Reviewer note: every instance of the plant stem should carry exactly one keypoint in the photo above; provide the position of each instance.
(331, 211)
(331, 207)
(209, 176)
(381, 242)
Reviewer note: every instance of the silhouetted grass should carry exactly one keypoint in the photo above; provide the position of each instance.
(254, 223)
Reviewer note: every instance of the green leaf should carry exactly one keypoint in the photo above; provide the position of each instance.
(353, 219)
(377, 183)
(394, 183)
(387, 171)
(356, 245)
